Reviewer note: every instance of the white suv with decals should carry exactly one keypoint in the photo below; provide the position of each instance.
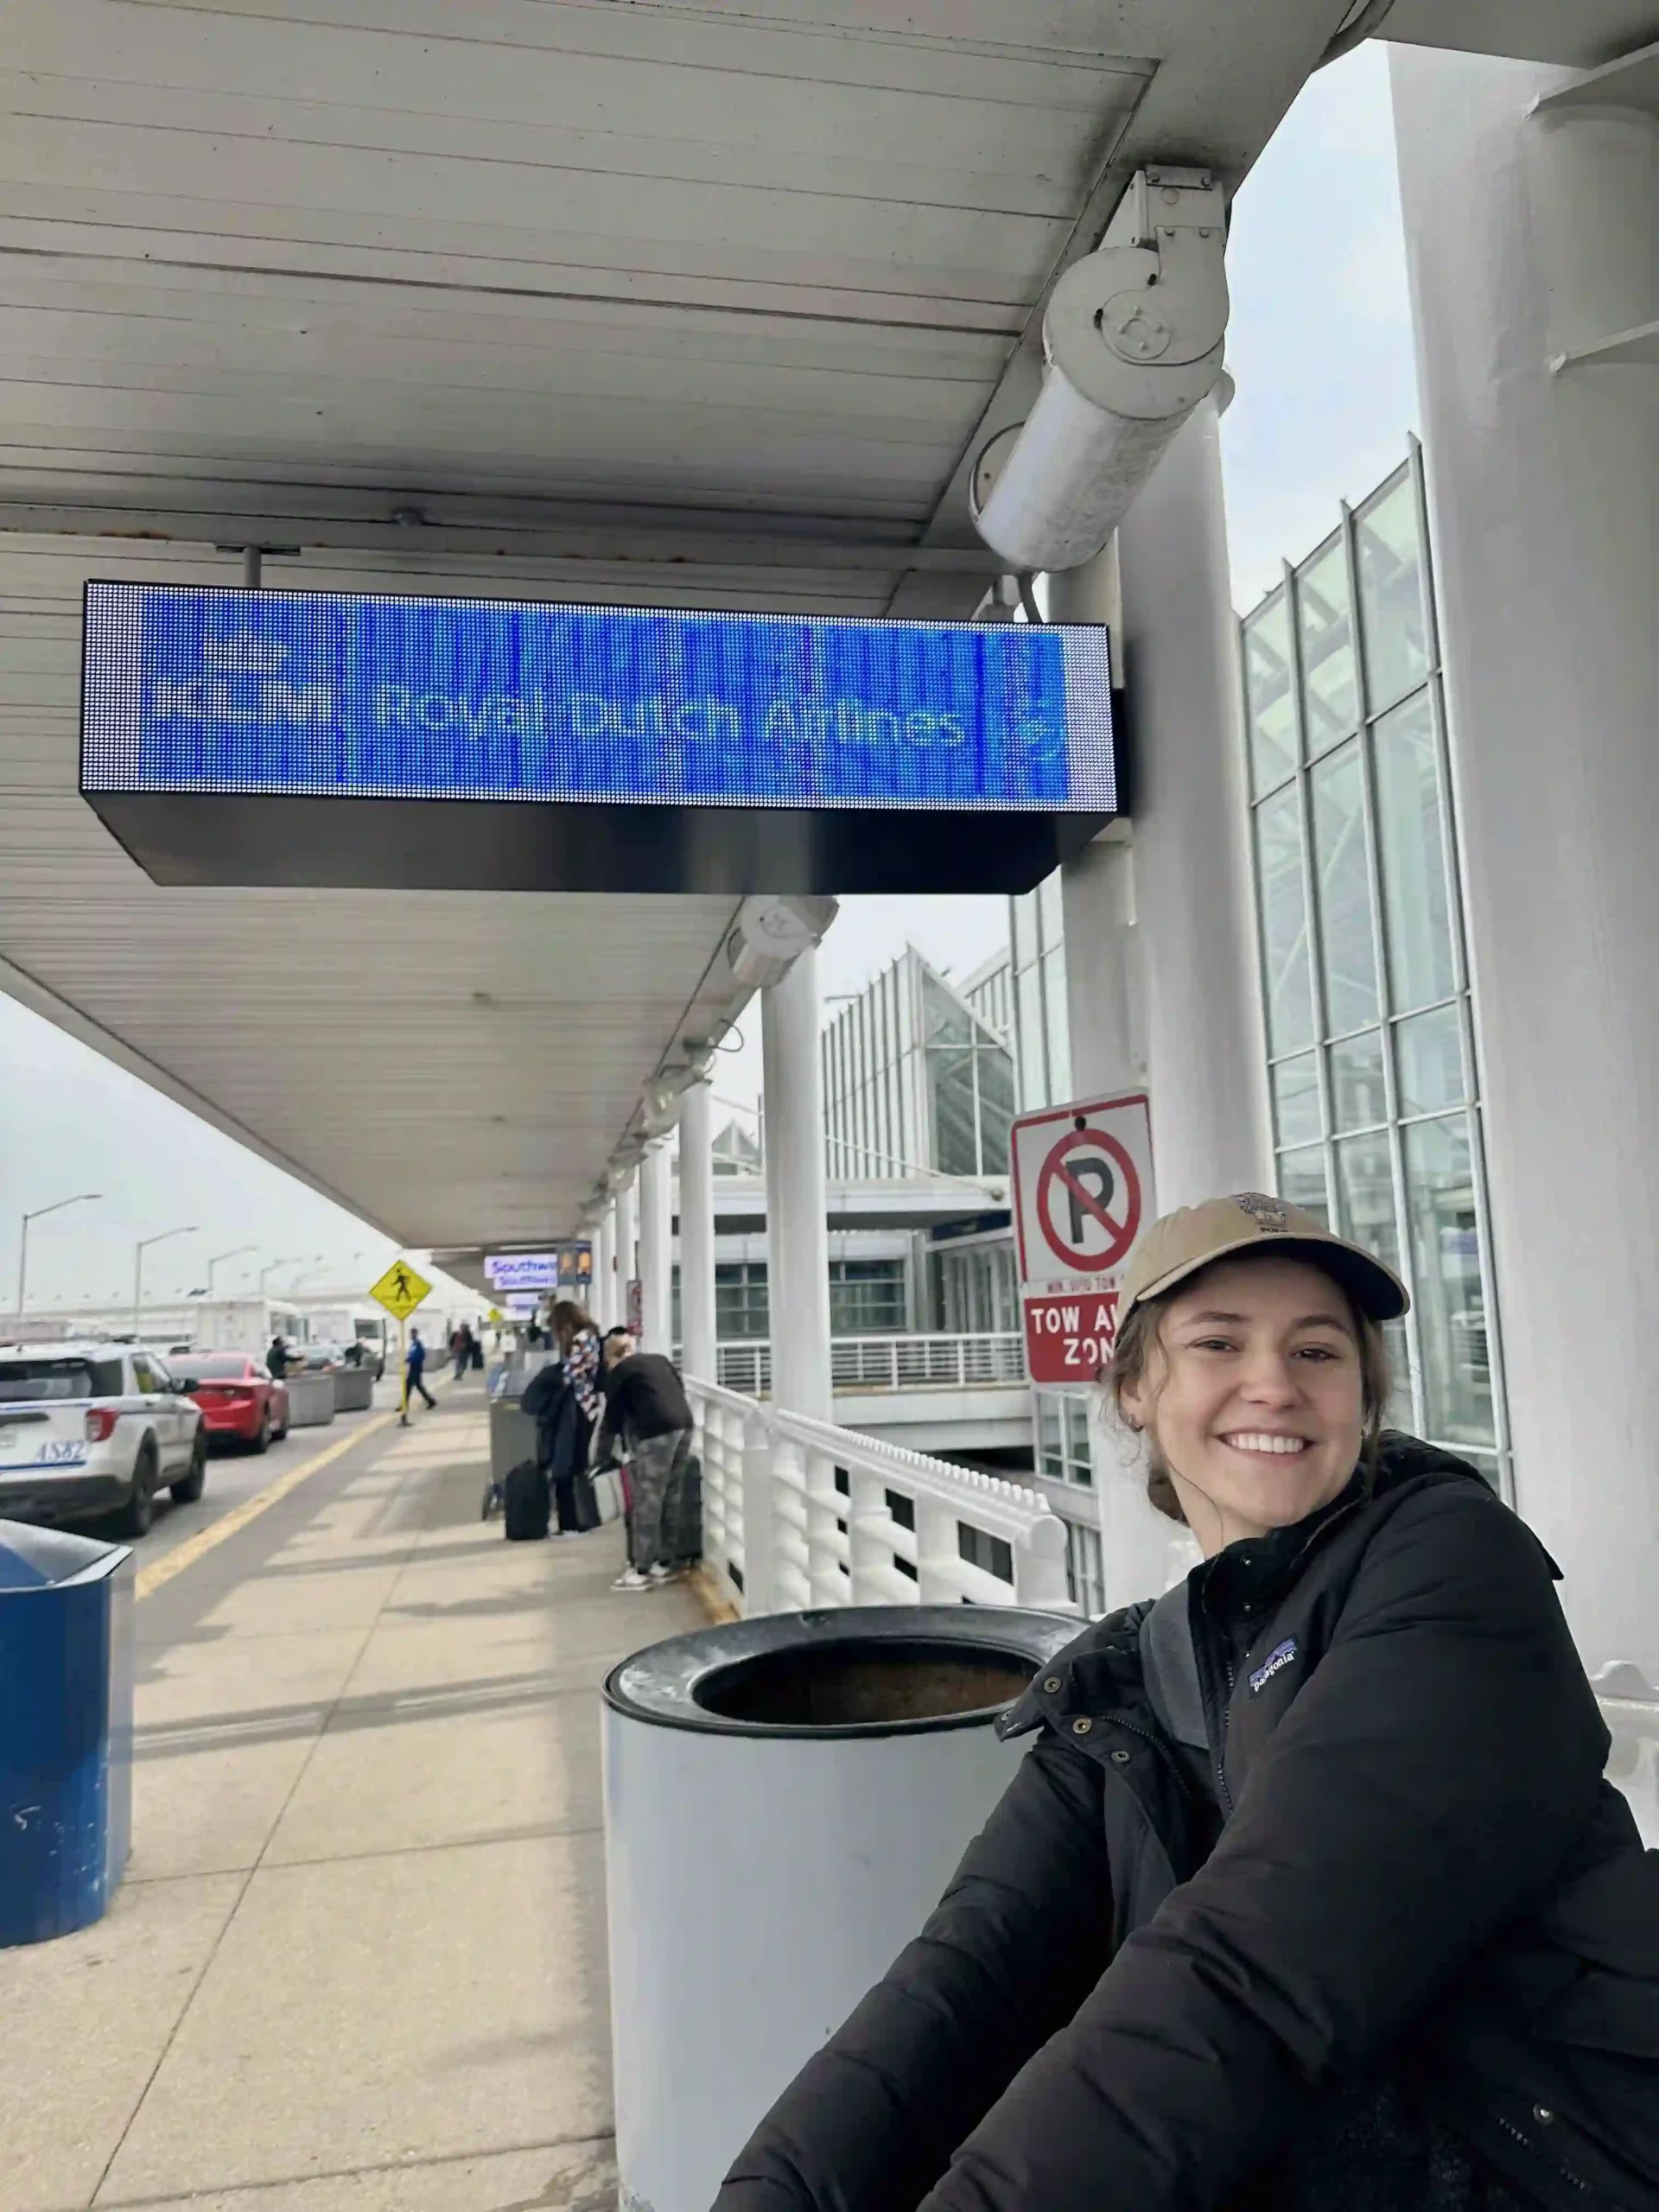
(94, 1429)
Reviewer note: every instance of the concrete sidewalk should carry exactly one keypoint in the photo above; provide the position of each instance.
(359, 1958)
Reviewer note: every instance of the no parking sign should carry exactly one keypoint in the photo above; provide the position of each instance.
(1081, 1194)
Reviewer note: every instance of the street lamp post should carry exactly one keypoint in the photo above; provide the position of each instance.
(81, 1198)
(138, 1252)
(235, 1252)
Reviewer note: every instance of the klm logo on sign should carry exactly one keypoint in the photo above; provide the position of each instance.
(343, 693)
(244, 688)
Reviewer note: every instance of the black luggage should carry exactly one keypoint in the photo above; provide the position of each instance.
(683, 1539)
(583, 1501)
(526, 1502)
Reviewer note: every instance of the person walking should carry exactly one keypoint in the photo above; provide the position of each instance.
(646, 1410)
(414, 1371)
(1311, 1891)
(460, 1350)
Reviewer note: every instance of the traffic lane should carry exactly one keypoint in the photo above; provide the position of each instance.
(236, 1474)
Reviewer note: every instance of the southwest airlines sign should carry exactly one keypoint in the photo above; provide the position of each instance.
(220, 694)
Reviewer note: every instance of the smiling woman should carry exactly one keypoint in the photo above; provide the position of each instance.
(1258, 1377)
(1311, 1890)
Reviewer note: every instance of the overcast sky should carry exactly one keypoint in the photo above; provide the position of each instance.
(1320, 347)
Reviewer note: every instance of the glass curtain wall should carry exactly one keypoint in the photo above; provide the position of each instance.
(969, 1083)
(866, 1298)
(990, 991)
(976, 1291)
(873, 1125)
(1376, 1105)
(1063, 1437)
(914, 1078)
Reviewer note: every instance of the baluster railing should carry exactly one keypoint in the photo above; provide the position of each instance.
(802, 1513)
(935, 1361)
(1630, 1706)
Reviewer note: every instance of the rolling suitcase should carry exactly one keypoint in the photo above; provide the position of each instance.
(525, 1503)
(683, 1539)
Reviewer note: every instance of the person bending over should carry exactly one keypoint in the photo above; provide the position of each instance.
(647, 1411)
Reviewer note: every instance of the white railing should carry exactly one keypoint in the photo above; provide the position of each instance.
(1630, 1706)
(799, 1514)
(941, 1362)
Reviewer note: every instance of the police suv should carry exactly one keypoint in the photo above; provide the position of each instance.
(94, 1429)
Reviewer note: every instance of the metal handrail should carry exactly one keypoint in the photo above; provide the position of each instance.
(936, 1360)
(800, 1513)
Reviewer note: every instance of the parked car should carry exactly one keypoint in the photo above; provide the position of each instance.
(320, 1358)
(89, 1430)
(241, 1400)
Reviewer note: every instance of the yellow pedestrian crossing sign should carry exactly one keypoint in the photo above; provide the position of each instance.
(400, 1290)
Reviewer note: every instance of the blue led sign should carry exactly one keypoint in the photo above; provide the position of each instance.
(342, 696)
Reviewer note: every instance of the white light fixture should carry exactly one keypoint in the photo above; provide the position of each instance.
(1133, 340)
(659, 1104)
(773, 934)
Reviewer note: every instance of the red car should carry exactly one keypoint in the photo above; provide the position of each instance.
(240, 1402)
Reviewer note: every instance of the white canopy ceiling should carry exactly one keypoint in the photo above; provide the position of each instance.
(688, 303)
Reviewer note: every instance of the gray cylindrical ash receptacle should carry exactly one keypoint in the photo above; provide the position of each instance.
(785, 1800)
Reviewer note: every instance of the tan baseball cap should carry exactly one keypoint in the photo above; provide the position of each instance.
(1191, 1237)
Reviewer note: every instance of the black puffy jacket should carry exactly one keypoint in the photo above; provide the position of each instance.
(1420, 1875)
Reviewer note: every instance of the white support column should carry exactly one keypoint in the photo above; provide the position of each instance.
(657, 1249)
(1159, 936)
(1105, 1016)
(698, 1355)
(1532, 238)
(627, 1242)
(605, 1269)
(1103, 1013)
(1192, 905)
(777, 1246)
(797, 1241)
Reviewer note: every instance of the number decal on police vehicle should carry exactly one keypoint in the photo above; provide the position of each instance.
(59, 1451)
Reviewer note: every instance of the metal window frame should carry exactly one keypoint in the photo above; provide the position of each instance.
(1341, 536)
(1328, 1032)
(1293, 659)
(1311, 928)
(1472, 1105)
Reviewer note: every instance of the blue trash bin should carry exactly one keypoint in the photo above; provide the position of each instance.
(65, 1729)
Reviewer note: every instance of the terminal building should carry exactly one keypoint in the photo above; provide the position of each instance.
(1371, 1041)
(507, 516)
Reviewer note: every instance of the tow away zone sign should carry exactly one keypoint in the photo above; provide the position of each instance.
(1083, 1193)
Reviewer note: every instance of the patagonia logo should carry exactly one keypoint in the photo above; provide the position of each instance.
(1274, 1663)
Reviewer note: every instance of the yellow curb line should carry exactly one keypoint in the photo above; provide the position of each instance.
(713, 1600)
(150, 1579)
